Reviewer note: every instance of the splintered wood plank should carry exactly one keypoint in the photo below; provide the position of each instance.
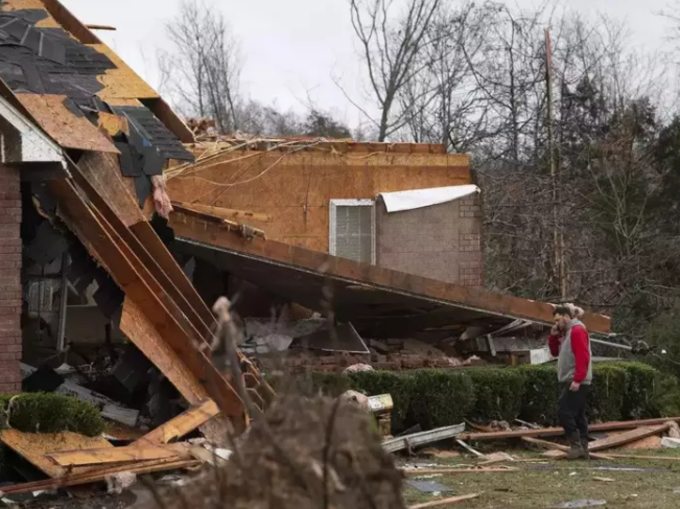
(558, 451)
(34, 447)
(100, 474)
(131, 453)
(182, 424)
(627, 438)
(67, 128)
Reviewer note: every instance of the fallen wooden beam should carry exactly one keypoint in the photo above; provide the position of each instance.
(555, 432)
(452, 471)
(561, 448)
(182, 424)
(445, 501)
(641, 457)
(99, 475)
(120, 455)
(627, 438)
(422, 438)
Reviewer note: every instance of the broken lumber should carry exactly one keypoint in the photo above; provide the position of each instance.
(641, 457)
(126, 454)
(626, 438)
(555, 432)
(182, 425)
(561, 448)
(445, 501)
(422, 438)
(446, 471)
(34, 446)
(99, 475)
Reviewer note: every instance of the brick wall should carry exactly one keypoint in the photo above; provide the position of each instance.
(441, 242)
(10, 280)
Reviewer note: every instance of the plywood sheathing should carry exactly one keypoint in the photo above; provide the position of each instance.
(123, 82)
(34, 446)
(113, 124)
(63, 126)
(296, 260)
(19, 5)
(295, 189)
(137, 327)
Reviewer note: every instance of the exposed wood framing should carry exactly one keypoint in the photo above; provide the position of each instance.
(209, 233)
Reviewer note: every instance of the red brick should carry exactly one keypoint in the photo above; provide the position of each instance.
(10, 388)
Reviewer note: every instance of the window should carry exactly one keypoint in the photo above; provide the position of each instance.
(352, 230)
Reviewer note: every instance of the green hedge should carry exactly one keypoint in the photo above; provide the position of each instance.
(49, 413)
(433, 398)
(497, 391)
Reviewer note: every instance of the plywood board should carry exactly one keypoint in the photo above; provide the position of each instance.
(64, 126)
(18, 5)
(138, 328)
(122, 82)
(113, 124)
(33, 447)
(131, 453)
(182, 424)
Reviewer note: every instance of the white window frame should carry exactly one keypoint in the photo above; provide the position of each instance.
(332, 239)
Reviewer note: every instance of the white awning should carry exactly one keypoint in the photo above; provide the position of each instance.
(420, 198)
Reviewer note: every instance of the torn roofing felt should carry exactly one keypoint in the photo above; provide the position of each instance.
(49, 61)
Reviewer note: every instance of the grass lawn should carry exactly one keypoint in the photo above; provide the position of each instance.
(560, 481)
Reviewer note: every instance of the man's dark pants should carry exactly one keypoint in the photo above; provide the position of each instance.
(572, 411)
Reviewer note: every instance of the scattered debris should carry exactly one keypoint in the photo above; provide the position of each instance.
(670, 443)
(118, 483)
(422, 438)
(603, 479)
(469, 448)
(496, 457)
(439, 453)
(358, 368)
(446, 501)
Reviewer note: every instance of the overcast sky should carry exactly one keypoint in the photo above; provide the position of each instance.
(292, 48)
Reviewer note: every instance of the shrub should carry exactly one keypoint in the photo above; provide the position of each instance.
(399, 386)
(607, 393)
(640, 394)
(440, 398)
(50, 413)
(499, 393)
(541, 390)
(666, 402)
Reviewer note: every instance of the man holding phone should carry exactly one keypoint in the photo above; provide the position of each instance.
(570, 343)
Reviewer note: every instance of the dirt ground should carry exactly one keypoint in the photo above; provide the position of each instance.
(551, 483)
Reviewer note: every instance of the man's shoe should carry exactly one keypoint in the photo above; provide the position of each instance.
(576, 451)
(585, 445)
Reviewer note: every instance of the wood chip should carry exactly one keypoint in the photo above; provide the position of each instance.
(603, 479)
(445, 501)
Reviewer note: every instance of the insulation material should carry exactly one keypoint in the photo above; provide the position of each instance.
(161, 200)
(420, 198)
(59, 122)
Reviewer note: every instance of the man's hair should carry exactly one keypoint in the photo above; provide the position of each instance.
(562, 310)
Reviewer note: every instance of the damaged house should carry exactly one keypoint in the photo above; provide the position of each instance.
(357, 247)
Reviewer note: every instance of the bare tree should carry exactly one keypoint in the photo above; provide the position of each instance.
(202, 71)
(392, 49)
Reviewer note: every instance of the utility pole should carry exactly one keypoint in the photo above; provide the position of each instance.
(558, 236)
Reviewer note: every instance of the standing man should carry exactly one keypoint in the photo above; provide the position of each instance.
(569, 342)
